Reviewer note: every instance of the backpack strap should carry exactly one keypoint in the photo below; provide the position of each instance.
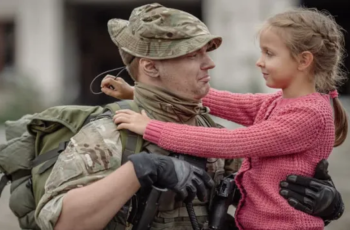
(131, 142)
(50, 154)
(3, 182)
(12, 177)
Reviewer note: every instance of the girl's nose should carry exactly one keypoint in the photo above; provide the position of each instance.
(260, 63)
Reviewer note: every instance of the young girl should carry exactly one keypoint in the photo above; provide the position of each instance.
(288, 131)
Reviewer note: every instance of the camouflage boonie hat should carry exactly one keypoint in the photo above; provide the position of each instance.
(157, 32)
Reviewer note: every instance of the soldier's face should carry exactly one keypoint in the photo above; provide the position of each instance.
(187, 76)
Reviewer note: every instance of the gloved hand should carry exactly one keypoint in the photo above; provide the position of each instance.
(168, 172)
(316, 196)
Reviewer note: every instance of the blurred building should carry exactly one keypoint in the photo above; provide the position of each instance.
(60, 45)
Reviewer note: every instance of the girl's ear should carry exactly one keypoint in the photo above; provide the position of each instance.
(149, 68)
(305, 60)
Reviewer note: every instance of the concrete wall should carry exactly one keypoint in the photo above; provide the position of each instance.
(39, 33)
(39, 43)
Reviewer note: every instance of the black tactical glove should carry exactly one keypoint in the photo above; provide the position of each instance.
(316, 196)
(230, 223)
(168, 172)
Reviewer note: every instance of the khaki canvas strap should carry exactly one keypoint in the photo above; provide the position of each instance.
(133, 140)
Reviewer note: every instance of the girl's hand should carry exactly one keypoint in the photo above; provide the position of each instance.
(128, 119)
(117, 88)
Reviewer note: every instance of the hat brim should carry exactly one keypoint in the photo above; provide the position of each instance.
(158, 49)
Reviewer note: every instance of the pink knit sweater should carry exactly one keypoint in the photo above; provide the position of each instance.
(283, 136)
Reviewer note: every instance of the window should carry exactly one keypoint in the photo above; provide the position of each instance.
(7, 45)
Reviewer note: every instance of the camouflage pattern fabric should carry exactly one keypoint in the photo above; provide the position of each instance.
(93, 153)
(156, 32)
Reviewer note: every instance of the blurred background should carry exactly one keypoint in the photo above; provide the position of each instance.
(50, 50)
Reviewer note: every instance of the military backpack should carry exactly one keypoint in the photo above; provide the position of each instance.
(34, 143)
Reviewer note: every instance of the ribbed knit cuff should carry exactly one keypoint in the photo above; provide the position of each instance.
(207, 98)
(153, 131)
(205, 101)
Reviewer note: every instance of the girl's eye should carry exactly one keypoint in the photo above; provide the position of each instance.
(268, 53)
(193, 55)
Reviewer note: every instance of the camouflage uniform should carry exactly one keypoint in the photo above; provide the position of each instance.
(158, 33)
(93, 153)
(154, 32)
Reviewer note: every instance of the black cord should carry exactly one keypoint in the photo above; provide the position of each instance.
(192, 216)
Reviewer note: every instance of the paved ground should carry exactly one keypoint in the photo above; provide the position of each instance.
(339, 169)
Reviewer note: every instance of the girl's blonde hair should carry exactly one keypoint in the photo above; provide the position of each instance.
(317, 32)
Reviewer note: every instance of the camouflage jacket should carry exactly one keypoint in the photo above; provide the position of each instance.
(80, 165)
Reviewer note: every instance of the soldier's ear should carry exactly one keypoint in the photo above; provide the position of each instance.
(149, 68)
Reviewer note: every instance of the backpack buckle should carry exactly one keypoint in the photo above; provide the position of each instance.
(62, 146)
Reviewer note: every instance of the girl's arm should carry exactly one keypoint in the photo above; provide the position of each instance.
(236, 107)
(295, 130)
(239, 108)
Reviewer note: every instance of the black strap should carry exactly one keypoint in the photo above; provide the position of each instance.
(48, 164)
(14, 176)
(88, 119)
(131, 141)
(52, 154)
(3, 182)
(20, 174)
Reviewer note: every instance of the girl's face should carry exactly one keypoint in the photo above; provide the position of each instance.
(277, 65)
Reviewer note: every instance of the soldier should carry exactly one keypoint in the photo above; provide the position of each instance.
(165, 51)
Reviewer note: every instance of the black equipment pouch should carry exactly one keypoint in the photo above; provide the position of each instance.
(226, 192)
